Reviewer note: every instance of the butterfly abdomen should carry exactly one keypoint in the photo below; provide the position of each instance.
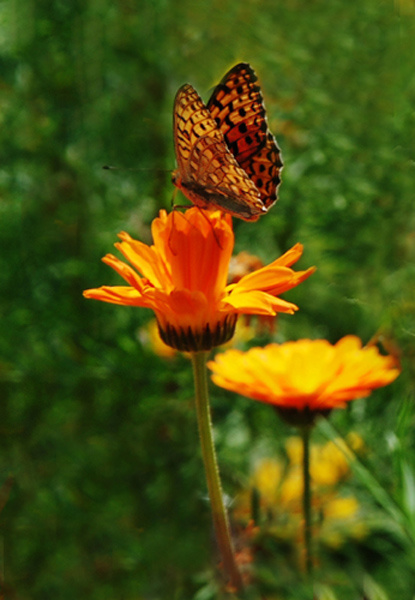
(213, 198)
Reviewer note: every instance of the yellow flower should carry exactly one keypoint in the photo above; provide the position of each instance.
(149, 336)
(309, 376)
(266, 479)
(292, 490)
(279, 486)
(183, 278)
(328, 463)
(341, 518)
(341, 508)
(243, 334)
(294, 449)
(355, 442)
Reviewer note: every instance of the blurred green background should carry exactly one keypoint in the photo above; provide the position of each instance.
(98, 434)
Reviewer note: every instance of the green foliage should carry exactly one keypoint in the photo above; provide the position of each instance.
(108, 496)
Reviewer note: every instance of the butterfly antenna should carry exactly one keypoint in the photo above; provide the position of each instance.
(111, 168)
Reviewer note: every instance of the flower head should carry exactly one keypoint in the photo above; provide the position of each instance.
(183, 278)
(308, 375)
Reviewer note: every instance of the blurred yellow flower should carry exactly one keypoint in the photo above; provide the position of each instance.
(329, 464)
(341, 508)
(266, 479)
(294, 449)
(279, 484)
(149, 336)
(183, 278)
(311, 375)
(355, 442)
(244, 332)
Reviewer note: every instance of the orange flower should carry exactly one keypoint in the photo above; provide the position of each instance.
(307, 375)
(183, 276)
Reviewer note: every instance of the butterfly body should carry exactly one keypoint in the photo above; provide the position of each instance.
(227, 158)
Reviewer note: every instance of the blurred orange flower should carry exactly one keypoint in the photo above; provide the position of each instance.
(311, 375)
(183, 278)
(241, 264)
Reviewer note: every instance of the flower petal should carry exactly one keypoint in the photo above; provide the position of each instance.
(290, 257)
(257, 302)
(148, 260)
(125, 271)
(305, 374)
(274, 279)
(200, 251)
(182, 277)
(119, 295)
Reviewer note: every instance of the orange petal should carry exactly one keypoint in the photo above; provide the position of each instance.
(257, 302)
(118, 295)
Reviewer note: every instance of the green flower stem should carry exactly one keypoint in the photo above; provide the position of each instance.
(220, 519)
(305, 434)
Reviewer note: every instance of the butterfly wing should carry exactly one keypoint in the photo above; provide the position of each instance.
(239, 111)
(208, 174)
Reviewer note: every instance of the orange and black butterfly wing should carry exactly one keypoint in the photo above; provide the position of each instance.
(208, 174)
(264, 169)
(238, 109)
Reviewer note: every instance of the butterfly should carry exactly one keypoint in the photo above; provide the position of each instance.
(226, 156)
